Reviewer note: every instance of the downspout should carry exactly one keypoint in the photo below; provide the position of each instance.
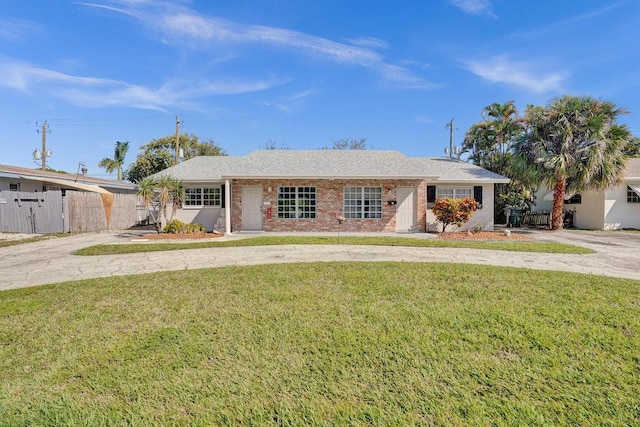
(227, 207)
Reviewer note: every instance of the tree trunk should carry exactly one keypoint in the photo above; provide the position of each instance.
(557, 218)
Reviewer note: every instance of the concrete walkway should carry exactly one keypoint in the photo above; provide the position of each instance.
(50, 261)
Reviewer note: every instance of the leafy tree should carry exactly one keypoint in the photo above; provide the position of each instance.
(118, 159)
(454, 211)
(572, 144)
(159, 154)
(348, 144)
(273, 145)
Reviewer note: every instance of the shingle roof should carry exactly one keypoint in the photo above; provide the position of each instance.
(334, 164)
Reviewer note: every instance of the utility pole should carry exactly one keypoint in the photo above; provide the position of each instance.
(177, 140)
(450, 126)
(42, 156)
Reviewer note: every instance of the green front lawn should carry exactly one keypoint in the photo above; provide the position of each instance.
(323, 344)
(515, 245)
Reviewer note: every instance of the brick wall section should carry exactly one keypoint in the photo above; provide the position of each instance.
(329, 203)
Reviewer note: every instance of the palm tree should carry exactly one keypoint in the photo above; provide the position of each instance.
(146, 191)
(572, 144)
(118, 159)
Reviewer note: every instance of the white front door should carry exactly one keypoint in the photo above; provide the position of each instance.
(405, 209)
(252, 207)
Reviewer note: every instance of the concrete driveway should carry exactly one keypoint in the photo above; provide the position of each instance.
(50, 261)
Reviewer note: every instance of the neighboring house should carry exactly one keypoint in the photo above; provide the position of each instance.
(13, 178)
(613, 209)
(36, 201)
(302, 191)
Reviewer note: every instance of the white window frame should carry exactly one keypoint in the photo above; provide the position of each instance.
(632, 196)
(453, 192)
(361, 202)
(304, 202)
(13, 186)
(204, 197)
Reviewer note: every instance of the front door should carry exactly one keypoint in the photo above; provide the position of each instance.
(405, 209)
(252, 207)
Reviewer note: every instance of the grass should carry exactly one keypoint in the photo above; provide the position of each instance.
(519, 246)
(323, 344)
(6, 243)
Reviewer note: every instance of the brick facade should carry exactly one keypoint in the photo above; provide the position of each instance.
(329, 204)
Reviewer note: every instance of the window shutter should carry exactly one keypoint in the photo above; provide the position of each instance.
(477, 194)
(222, 197)
(431, 195)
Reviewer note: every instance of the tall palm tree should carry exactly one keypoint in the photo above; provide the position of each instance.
(572, 144)
(118, 159)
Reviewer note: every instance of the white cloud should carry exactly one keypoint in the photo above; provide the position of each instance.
(474, 7)
(97, 92)
(182, 26)
(522, 74)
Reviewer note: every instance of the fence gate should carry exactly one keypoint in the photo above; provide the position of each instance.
(22, 212)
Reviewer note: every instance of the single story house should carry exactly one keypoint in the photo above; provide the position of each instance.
(613, 209)
(328, 190)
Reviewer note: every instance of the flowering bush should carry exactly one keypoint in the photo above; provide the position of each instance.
(454, 211)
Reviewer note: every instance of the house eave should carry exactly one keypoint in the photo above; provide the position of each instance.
(330, 177)
(473, 181)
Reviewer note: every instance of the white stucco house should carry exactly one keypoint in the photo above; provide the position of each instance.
(292, 190)
(613, 209)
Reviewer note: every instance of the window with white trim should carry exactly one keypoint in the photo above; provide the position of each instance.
(632, 196)
(297, 202)
(14, 187)
(362, 202)
(453, 193)
(202, 196)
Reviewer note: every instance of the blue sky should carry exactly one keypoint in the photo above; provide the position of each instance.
(300, 73)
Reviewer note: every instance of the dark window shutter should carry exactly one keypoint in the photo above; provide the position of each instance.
(477, 194)
(431, 193)
(222, 196)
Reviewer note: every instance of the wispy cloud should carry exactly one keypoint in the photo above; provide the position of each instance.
(15, 30)
(567, 22)
(290, 103)
(179, 25)
(523, 74)
(98, 92)
(474, 7)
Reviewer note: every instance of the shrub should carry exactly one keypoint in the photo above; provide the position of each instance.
(454, 211)
(178, 227)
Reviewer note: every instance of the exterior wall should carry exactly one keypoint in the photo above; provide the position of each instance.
(482, 218)
(329, 202)
(205, 216)
(25, 185)
(606, 210)
(618, 213)
(590, 213)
